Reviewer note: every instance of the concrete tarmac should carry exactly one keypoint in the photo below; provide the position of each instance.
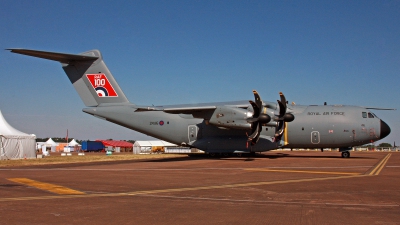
(279, 187)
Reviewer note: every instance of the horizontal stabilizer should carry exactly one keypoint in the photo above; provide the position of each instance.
(60, 57)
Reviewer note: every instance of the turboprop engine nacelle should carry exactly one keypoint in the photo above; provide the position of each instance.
(230, 117)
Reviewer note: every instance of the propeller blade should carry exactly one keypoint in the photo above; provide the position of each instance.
(281, 129)
(282, 109)
(255, 136)
(282, 105)
(254, 133)
(283, 99)
(258, 99)
(256, 109)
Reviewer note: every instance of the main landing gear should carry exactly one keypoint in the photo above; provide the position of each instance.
(346, 154)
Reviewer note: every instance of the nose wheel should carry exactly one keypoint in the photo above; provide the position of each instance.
(346, 154)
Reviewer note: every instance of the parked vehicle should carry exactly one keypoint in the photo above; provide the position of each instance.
(158, 149)
(92, 146)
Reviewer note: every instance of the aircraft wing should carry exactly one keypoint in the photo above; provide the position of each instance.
(190, 107)
(189, 110)
(201, 110)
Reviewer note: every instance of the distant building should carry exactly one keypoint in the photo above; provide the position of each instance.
(118, 146)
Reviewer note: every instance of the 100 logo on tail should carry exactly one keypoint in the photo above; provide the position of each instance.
(101, 85)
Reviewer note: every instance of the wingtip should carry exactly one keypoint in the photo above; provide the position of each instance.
(15, 50)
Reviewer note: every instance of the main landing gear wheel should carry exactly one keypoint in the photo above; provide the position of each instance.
(225, 154)
(346, 154)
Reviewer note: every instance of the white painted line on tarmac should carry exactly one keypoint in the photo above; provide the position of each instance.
(274, 202)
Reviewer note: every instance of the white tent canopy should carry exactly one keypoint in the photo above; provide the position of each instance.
(15, 144)
(50, 143)
(73, 143)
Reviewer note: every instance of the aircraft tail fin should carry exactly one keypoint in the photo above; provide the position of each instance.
(88, 73)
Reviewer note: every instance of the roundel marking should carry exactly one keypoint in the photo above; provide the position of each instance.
(161, 123)
(101, 91)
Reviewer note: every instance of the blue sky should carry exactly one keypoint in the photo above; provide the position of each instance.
(173, 52)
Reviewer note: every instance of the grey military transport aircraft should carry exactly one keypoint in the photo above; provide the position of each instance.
(224, 127)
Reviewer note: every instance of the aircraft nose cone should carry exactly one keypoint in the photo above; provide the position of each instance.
(385, 129)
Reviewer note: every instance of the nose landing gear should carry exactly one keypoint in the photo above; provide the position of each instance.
(346, 154)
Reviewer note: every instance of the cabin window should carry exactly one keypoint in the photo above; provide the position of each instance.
(370, 115)
(364, 114)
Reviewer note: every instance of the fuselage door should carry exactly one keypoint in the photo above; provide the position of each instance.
(315, 137)
(192, 133)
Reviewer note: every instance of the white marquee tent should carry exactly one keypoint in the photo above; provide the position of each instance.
(74, 146)
(73, 143)
(50, 143)
(15, 144)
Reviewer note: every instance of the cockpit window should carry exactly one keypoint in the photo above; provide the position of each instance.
(370, 115)
(364, 114)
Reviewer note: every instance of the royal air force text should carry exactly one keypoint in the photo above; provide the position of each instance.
(325, 113)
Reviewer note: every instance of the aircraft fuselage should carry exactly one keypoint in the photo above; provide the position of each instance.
(313, 127)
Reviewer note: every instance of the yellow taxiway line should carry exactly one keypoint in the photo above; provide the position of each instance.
(380, 166)
(46, 186)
